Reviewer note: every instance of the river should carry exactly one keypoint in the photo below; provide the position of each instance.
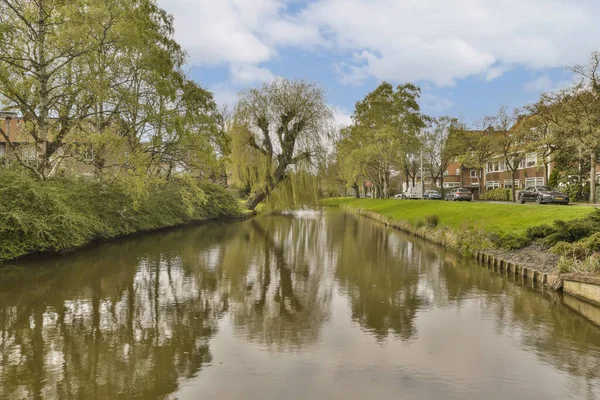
(301, 306)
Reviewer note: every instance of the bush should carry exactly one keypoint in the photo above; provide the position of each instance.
(61, 214)
(539, 232)
(510, 242)
(497, 195)
(587, 266)
(575, 230)
(432, 221)
(578, 250)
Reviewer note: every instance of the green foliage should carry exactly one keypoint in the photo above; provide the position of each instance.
(587, 266)
(539, 231)
(432, 221)
(579, 249)
(491, 217)
(554, 178)
(62, 214)
(299, 190)
(511, 242)
(572, 231)
(496, 195)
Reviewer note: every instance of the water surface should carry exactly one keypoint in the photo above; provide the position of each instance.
(303, 306)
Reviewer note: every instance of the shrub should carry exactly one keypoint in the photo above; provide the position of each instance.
(587, 266)
(61, 214)
(432, 221)
(510, 242)
(575, 230)
(539, 231)
(497, 195)
(554, 178)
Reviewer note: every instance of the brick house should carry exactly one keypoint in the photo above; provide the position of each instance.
(23, 143)
(495, 173)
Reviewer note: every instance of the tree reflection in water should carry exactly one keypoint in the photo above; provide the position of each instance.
(133, 318)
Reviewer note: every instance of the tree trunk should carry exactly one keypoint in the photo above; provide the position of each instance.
(356, 190)
(593, 162)
(442, 185)
(43, 93)
(514, 191)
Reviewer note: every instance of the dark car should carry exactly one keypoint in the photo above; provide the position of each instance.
(460, 194)
(432, 195)
(543, 195)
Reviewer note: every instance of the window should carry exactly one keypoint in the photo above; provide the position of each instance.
(534, 182)
(492, 185)
(446, 173)
(493, 167)
(28, 153)
(473, 173)
(508, 183)
(531, 160)
(522, 164)
(457, 171)
(450, 185)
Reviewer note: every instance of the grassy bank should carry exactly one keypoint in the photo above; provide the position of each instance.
(497, 218)
(572, 233)
(63, 214)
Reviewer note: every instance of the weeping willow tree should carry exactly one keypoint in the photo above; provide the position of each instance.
(279, 130)
(299, 191)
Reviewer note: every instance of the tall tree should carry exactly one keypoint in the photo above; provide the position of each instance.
(510, 141)
(288, 123)
(440, 146)
(41, 41)
(587, 100)
(386, 124)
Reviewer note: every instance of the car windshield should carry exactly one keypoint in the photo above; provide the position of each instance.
(544, 189)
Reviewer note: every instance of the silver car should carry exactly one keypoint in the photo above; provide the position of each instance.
(460, 194)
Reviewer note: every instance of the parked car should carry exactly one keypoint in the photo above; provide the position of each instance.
(543, 195)
(412, 193)
(399, 196)
(460, 194)
(432, 195)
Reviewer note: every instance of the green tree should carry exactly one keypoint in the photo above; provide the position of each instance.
(42, 42)
(440, 146)
(285, 123)
(386, 124)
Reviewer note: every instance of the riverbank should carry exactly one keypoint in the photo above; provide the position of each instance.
(61, 215)
(504, 236)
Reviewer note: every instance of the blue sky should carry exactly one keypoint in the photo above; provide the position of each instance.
(470, 57)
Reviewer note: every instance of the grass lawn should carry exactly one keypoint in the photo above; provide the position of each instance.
(499, 218)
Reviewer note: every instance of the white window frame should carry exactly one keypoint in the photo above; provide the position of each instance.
(531, 160)
(508, 183)
(489, 185)
(451, 185)
(473, 173)
(535, 181)
(28, 152)
(457, 171)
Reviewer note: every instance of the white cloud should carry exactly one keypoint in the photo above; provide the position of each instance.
(435, 103)
(341, 117)
(541, 84)
(439, 41)
(224, 95)
(445, 40)
(246, 74)
(545, 84)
